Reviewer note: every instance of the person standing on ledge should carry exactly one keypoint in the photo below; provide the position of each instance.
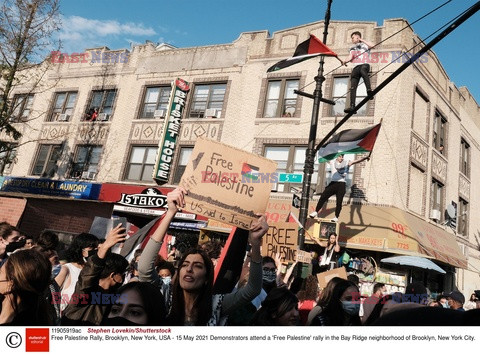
(336, 187)
(359, 56)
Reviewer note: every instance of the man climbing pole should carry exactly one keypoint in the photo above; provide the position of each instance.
(359, 56)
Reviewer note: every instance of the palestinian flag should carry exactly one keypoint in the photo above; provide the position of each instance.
(312, 47)
(349, 141)
(250, 171)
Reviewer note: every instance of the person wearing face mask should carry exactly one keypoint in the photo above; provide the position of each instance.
(137, 305)
(82, 246)
(341, 307)
(166, 271)
(98, 283)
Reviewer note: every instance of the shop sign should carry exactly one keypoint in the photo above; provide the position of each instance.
(148, 198)
(171, 130)
(59, 188)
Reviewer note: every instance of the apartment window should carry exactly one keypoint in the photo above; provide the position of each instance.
(281, 101)
(8, 153)
(22, 104)
(156, 98)
(85, 162)
(436, 201)
(183, 158)
(141, 163)
(340, 92)
(207, 100)
(465, 158)
(439, 132)
(63, 106)
(46, 162)
(462, 217)
(100, 107)
(290, 159)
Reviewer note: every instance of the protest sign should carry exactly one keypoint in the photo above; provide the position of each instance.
(304, 256)
(326, 276)
(282, 238)
(227, 184)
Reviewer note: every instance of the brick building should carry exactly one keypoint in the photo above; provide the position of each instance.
(99, 122)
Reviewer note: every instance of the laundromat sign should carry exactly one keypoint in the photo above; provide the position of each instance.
(71, 189)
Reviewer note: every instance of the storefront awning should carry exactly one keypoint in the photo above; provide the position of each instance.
(392, 230)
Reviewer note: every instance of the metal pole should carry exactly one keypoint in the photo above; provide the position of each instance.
(310, 153)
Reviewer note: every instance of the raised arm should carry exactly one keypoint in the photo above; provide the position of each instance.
(146, 264)
(358, 160)
(369, 44)
(254, 286)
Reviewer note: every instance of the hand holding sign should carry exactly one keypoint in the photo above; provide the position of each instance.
(176, 200)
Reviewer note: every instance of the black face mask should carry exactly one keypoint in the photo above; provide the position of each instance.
(119, 321)
(11, 247)
(91, 252)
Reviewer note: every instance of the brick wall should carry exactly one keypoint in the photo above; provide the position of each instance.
(11, 209)
(60, 215)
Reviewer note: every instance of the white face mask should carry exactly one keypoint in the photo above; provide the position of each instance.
(166, 280)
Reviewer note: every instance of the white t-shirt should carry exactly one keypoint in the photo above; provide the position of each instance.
(339, 170)
(360, 54)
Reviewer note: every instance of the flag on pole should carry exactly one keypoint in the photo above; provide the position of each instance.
(310, 48)
(349, 141)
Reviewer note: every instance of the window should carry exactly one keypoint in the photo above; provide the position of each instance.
(465, 158)
(462, 217)
(439, 132)
(207, 97)
(101, 105)
(141, 163)
(156, 98)
(281, 100)
(8, 152)
(46, 162)
(22, 104)
(63, 104)
(290, 159)
(340, 93)
(85, 163)
(183, 158)
(436, 201)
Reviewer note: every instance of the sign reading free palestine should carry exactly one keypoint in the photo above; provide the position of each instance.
(171, 129)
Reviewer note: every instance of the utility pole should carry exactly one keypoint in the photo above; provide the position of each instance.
(310, 153)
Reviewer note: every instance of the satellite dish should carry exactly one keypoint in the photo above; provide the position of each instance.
(451, 211)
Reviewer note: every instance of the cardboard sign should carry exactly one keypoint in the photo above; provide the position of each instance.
(282, 238)
(304, 256)
(326, 276)
(227, 184)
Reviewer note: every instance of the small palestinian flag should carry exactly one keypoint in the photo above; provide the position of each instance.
(349, 141)
(312, 47)
(250, 171)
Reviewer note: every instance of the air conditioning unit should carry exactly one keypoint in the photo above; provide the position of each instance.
(211, 112)
(63, 117)
(436, 215)
(103, 117)
(89, 175)
(159, 113)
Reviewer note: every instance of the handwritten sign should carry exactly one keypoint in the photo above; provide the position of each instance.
(304, 256)
(227, 184)
(281, 238)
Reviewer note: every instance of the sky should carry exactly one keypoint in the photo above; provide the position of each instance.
(118, 24)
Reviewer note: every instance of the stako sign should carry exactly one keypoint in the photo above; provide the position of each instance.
(281, 238)
(171, 129)
(227, 184)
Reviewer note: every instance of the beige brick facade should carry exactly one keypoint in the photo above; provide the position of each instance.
(402, 166)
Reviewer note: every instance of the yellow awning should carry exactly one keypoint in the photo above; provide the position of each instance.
(392, 230)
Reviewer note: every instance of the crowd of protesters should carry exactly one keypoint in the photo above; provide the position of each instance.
(91, 285)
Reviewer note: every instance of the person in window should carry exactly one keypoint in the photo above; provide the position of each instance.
(337, 186)
(359, 56)
(92, 114)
